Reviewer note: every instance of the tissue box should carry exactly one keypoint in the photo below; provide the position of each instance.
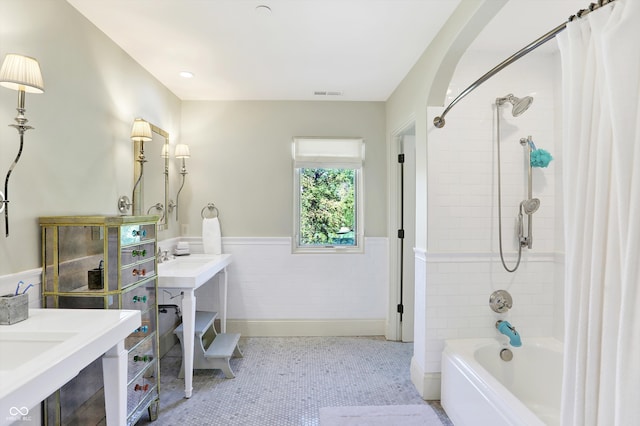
(13, 308)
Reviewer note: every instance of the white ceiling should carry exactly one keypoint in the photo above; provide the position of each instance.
(359, 48)
(520, 22)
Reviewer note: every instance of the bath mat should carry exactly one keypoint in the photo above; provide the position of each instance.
(383, 415)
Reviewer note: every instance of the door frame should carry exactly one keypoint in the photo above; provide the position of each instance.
(397, 330)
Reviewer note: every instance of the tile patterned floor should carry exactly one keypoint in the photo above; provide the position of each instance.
(284, 382)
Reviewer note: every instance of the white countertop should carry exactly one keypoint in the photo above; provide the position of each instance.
(191, 271)
(45, 351)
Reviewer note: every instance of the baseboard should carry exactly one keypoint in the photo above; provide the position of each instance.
(290, 328)
(427, 384)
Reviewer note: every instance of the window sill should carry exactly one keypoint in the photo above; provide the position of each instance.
(329, 250)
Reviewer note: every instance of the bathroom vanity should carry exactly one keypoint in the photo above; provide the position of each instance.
(104, 262)
(51, 346)
(187, 274)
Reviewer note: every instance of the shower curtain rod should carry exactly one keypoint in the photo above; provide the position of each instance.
(439, 121)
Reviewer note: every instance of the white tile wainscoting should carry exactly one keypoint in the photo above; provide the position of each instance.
(458, 298)
(273, 292)
(9, 282)
(455, 303)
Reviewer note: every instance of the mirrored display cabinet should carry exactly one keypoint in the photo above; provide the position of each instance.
(104, 262)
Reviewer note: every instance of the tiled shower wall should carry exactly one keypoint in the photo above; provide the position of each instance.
(462, 262)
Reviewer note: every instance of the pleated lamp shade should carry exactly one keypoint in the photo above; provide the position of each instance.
(182, 151)
(141, 131)
(165, 151)
(20, 72)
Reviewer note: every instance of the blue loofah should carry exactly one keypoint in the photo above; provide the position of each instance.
(540, 158)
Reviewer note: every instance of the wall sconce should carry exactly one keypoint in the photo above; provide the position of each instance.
(164, 154)
(140, 132)
(182, 151)
(20, 73)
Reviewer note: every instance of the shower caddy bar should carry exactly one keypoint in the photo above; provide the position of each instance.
(439, 121)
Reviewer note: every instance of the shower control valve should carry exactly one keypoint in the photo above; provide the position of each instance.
(500, 301)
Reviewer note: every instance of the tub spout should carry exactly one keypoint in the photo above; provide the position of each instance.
(510, 331)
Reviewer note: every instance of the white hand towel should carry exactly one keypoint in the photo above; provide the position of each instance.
(211, 236)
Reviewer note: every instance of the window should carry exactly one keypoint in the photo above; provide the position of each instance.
(328, 212)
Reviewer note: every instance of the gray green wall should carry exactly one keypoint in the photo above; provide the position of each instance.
(78, 159)
(241, 161)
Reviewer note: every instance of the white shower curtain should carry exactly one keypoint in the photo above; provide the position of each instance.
(601, 151)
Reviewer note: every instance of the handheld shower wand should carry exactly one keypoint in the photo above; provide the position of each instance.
(529, 207)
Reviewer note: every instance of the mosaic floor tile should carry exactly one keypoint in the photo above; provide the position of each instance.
(284, 381)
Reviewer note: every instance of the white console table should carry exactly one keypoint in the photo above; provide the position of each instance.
(186, 274)
(42, 353)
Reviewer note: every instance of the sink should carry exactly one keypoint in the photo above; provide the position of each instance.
(186, 262)
(46, 350)
(27, 345)
(190, 271)
(190, 259)
(193, 258)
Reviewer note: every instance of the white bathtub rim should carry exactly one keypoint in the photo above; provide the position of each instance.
(469, 346)
(460, 352)
(515, 413)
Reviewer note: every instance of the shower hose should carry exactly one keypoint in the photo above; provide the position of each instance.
(500, 203)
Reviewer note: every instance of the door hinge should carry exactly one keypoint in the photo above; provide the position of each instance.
(401, 308)
(400, 233)
(400, 158)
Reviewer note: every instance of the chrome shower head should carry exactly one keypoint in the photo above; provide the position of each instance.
(530, 206)
(519, 105)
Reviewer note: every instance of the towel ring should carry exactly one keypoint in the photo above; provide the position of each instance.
(212, 209)
(159, 207)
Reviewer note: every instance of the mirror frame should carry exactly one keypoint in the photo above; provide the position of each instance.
(138, 196)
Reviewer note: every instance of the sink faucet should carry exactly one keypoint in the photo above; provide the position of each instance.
(510, 331)
(162, 256)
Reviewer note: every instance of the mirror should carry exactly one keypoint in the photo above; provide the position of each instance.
(151, 196)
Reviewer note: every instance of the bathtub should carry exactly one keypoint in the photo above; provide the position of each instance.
(479, 388)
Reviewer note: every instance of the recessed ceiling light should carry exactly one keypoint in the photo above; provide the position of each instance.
(186, 74)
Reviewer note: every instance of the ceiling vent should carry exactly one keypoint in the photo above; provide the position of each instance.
(327, 93)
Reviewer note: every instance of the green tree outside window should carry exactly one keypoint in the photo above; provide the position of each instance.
(327, 206)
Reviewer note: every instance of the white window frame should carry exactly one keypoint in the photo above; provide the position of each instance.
(329, 153)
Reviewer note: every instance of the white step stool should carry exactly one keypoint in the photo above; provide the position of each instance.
(211, 350)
